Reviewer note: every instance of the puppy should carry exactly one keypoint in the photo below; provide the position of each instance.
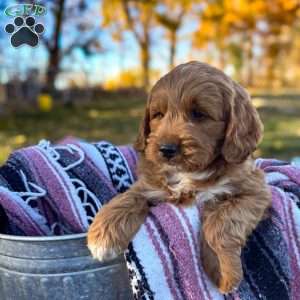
(195, 143)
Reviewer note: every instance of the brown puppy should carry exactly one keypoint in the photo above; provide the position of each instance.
(196, 141)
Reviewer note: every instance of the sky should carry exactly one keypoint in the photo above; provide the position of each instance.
(97, 68)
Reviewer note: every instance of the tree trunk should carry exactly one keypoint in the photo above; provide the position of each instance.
(173, 42)
(54, 49)
(143, 40)
(145, 57)
(272, 55)
(250, 73)
(222, 53)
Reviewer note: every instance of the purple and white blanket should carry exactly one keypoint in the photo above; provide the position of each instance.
(57, 189)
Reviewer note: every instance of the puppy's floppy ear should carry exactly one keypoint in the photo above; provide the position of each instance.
(244, 129)
(144, 131)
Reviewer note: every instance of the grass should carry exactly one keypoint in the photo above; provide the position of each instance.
(280, 115)
(116, 119)
(113, 119)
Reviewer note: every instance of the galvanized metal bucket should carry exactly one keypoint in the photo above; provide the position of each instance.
(58, 268)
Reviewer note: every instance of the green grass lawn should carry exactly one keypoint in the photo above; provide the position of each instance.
(281, 119)
(117, 120)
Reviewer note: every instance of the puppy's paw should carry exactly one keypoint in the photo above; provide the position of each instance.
(225, 281)
(231, 275)
(103, 253)
(116, 224)
(229, 284)
(106, 239)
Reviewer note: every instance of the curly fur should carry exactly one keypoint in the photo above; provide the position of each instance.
(211, 119)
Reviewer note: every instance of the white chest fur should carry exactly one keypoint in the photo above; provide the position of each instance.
(181, 182)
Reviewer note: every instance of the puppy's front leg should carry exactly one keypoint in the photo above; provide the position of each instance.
(226, 226)
(117, 222)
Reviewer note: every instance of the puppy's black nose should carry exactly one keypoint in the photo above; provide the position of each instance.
(168, 150)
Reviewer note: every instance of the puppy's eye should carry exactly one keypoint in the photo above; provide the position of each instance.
(158, 115)
(197, 114)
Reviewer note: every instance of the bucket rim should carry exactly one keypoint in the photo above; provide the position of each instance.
(66, 237)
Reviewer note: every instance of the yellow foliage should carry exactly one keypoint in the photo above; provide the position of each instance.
(19, 139)
(125, 79)
(94, 114)
(208, 29)
(231, 18)
(289, 4)
(45, 102)
(112, 13)
(214, 10)
(223, 18)
(257, 7)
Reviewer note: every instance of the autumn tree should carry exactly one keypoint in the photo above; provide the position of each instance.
(233, 26)
(72, 29)
(170, 14)
(278, 36)
(137, 16)
(53, 44)
(211, 29)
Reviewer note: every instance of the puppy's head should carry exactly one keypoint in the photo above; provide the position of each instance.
(194, 114)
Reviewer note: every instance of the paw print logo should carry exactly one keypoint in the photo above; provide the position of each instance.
(24, 31)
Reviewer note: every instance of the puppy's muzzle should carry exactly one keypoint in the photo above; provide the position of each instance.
(168, 151)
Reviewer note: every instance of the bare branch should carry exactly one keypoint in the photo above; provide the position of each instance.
(130, 21)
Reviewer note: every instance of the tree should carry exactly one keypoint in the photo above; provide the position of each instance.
(138, 17)
(83, 34)
(280, 17)
(170, 14)
(54, 46)
(248, 23)
(224, 21)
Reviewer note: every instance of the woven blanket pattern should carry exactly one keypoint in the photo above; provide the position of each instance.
(57, 189)
(164, 258)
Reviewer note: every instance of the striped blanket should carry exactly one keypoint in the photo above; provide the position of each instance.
(57, 189)
(163, 260)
